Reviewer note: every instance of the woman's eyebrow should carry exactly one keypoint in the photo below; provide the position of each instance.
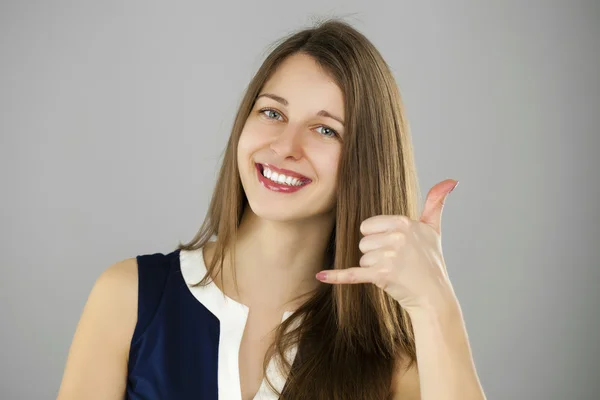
(279, 99)
(274, 97)
(324, 113)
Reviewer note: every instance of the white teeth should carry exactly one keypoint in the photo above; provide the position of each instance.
(281, 178)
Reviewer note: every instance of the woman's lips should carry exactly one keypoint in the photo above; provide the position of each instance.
(277, 187)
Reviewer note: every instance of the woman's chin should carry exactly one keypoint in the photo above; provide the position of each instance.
(283, 213)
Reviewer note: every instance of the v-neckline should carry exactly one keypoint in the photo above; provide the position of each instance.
(276, 377)
(233, 317)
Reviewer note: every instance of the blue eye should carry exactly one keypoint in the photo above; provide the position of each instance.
(331, 133)
(270, 113)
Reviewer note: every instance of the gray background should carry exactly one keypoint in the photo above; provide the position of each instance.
(114, 116)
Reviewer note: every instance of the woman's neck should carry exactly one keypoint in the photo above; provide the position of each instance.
(277, 261)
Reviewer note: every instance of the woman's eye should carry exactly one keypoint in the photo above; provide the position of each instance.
(276, 115)
(328, 131)
(271, 114)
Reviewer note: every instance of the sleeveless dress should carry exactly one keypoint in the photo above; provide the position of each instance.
(187, 338)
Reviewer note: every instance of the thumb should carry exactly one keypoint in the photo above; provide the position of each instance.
(434, 203)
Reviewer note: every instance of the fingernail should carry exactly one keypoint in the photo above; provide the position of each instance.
(322, 276)
(457, 182)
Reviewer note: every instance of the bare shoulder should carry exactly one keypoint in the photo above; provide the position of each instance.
(121, 276)
(405, 381)
(115, 295)
(98, 357)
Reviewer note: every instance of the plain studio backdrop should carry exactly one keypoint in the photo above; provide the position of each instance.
(114, 116)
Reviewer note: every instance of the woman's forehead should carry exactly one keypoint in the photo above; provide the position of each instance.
(300, 80)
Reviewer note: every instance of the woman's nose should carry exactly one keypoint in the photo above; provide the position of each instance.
(289, 142)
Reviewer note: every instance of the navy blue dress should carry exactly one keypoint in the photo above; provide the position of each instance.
(187, 338)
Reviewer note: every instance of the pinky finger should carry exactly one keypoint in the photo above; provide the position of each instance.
(346, 276)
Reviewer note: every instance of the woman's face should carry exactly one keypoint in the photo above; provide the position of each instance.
(295, 125)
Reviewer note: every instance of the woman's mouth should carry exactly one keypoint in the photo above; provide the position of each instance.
(283, 181)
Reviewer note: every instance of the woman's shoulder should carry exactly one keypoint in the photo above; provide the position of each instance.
(121, 276)
(115, 293)
(97, 359)
(116, 287)
(113, 300)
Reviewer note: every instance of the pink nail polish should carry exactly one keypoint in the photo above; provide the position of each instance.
(322, 276)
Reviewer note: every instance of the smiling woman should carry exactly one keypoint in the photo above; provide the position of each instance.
(290, 128)
(319, 167)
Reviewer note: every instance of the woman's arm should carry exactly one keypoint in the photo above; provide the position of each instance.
(445, 364)
(96, 367)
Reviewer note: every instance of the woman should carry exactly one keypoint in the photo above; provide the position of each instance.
(322, 281)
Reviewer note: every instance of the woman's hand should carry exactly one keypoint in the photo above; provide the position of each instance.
(404, 257)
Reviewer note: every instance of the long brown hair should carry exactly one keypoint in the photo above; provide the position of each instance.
(351, 338)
